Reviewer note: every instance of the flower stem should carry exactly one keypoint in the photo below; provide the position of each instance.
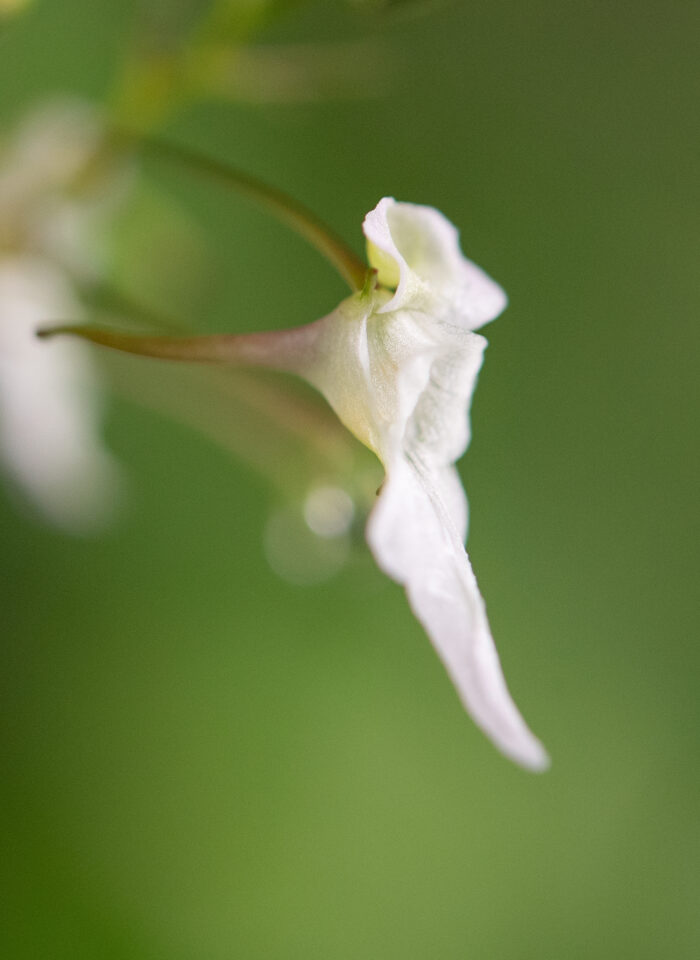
(351, 267)
(286, 350)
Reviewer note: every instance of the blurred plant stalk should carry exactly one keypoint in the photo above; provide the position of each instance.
(9, 7)
(294, 73)
(179, 57)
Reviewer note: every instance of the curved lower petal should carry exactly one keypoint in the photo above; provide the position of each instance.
(455, 499)
(415, 542)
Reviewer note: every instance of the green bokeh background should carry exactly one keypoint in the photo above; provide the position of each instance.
(203, 762)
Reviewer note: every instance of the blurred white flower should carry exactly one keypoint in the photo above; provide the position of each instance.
(49, 410)
(50, 446)
(50, 204)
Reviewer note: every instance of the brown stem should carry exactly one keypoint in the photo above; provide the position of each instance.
(278, 350)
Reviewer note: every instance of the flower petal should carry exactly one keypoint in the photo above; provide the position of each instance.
(416, 249)
(414, 541)
(438, 429)
(397, 380)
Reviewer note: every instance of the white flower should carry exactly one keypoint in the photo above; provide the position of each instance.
(399, 368)
(50, 446)
(398, 363)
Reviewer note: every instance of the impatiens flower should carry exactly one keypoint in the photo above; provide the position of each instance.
(50, 446)
(398, 363)
(399, 366)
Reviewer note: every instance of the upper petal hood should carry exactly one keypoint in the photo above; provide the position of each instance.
(416, 249)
